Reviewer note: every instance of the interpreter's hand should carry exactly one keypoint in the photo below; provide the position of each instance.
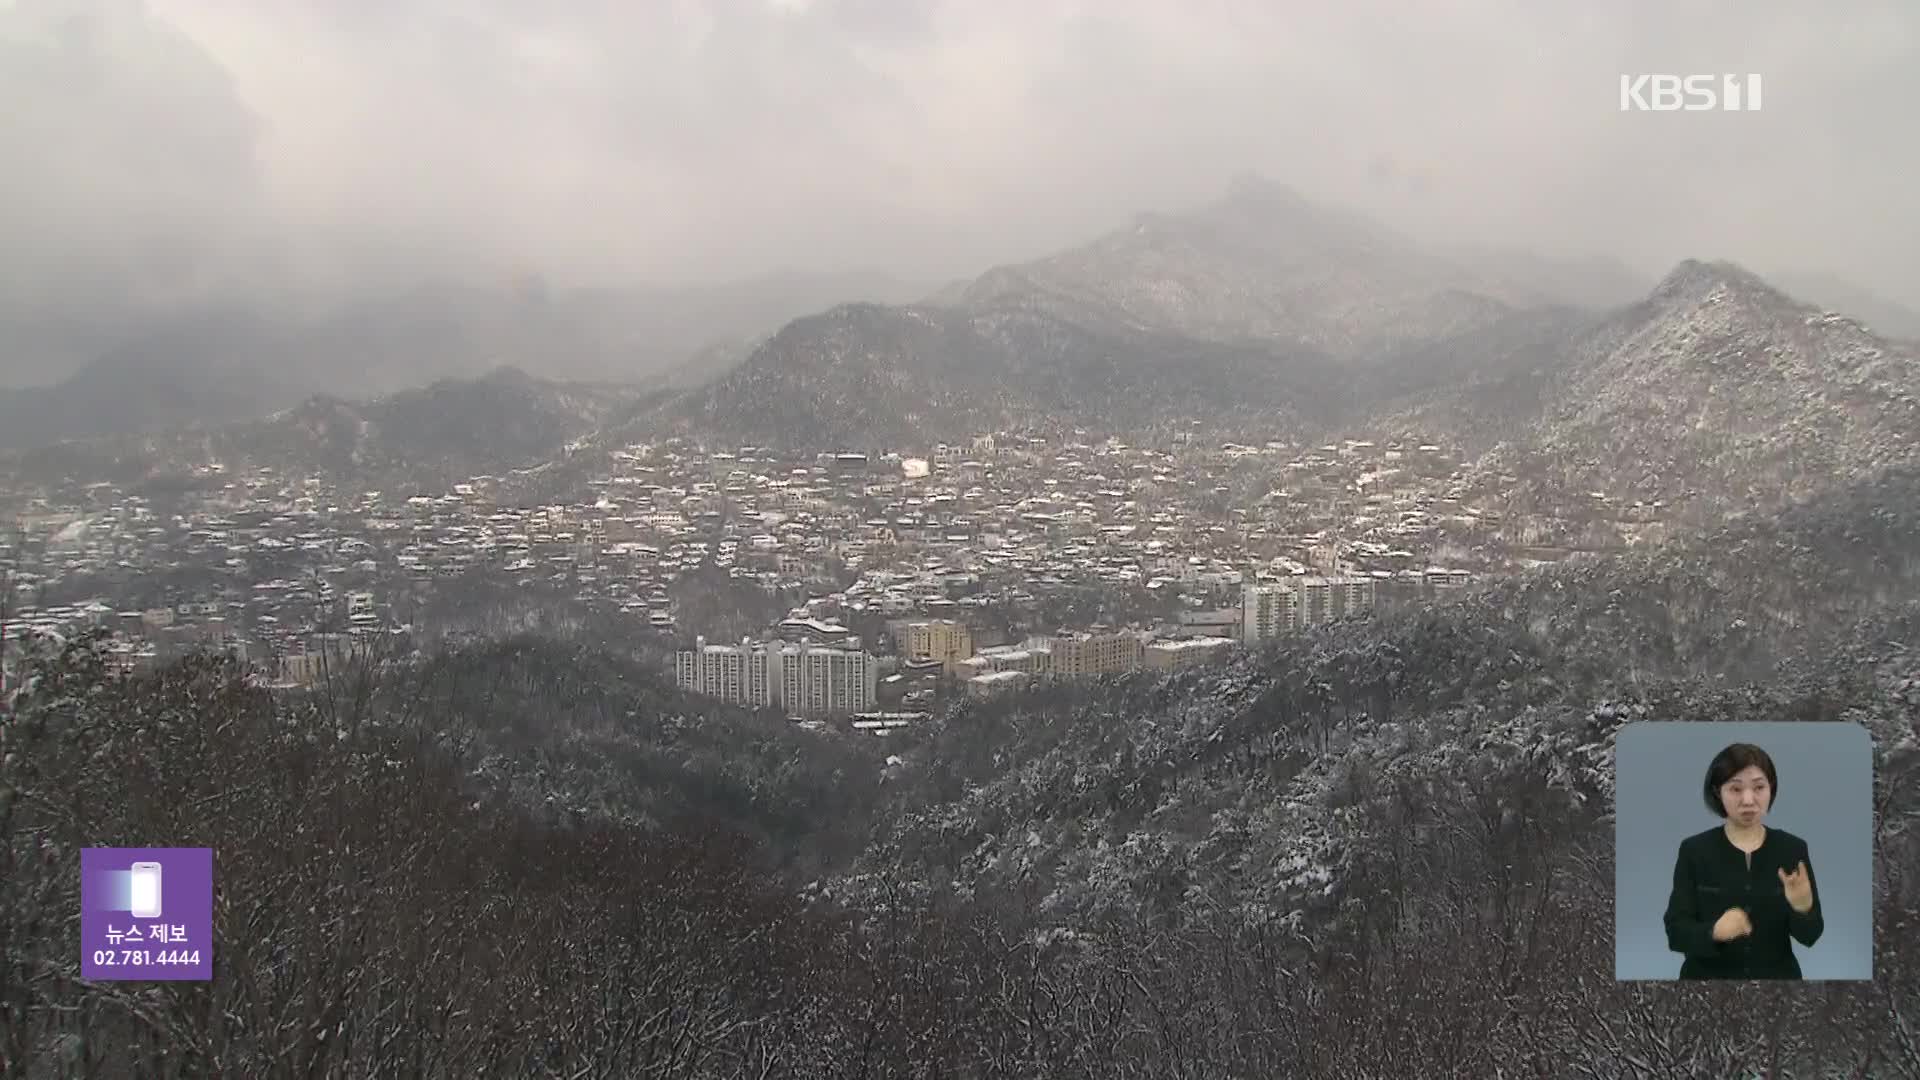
(1733, 924)
(1799, 888)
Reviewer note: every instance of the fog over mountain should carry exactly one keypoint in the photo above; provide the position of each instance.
(237, 360)
(161, 159)
(1081, 539)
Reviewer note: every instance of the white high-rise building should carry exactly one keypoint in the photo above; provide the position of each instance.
(1266, 610)
(817, 680)
(801, 678)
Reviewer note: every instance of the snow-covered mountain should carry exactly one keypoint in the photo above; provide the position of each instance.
(223, 365)
(1235, 788)
(420, 439)
(1261, 307)
(870, 376)
(1716, 394)
(1887, 318)
(1265, 264)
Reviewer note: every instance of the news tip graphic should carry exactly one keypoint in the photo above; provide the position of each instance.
(146, 913)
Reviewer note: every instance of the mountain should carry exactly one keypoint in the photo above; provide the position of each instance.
(1717, 394)
(1265, 264)
(419, 439)
(175, 377)
(1261, 312)
(873, 377)
(230, 363)
(952, 294)
(573, 727)
(1885, 317)
(1379, 847)
(704, 365)
(1469, 387)
(1144, 795)
(1594, 282)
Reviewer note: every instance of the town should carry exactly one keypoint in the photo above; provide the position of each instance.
(853, 586)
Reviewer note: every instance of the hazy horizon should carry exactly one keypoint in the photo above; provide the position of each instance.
(175, 152)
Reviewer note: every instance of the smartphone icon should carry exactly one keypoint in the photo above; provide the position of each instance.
(146, 890)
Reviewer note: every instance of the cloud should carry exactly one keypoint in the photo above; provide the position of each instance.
(179, 148)
(128, 159)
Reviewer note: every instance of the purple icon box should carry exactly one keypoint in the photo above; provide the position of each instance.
(146, 913)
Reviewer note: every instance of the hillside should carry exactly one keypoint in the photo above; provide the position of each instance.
(416, 440)
(1885, 318)
(1261, 264)
(1260, 313)
(1269, 305)
(1469, 388)
(173, 377)
(1379, 848)
(1155, 792)
(581, 732)
(1716, 395)
(1714, 383)
(864, 376)
(222, 365)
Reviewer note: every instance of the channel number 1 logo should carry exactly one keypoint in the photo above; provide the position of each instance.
(1689, 93)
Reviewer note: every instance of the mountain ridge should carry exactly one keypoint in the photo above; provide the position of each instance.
(1260, 264)
(1319, 291)
(216, 365)
(1718, 394)
(423, 438)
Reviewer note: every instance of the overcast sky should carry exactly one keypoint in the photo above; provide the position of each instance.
(154, 149)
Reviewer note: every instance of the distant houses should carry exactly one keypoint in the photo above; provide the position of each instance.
(939, 549)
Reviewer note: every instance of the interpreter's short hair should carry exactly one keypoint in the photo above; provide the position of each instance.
(1731, 761)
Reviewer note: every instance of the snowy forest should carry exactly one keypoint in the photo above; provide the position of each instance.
(1380, 848)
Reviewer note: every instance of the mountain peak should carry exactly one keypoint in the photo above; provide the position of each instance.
(1269, 214)
(508, 375)
(1693, 280)
(1262, 263)
(1255, 189)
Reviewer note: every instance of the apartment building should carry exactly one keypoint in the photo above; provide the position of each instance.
(947, 640)
(1095, 654)
(1185, 652)
(801, 678)
(1272, 608)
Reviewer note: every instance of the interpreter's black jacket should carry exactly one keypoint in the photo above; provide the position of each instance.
(1710, 876)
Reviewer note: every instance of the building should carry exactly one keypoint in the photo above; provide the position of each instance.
(945, 640)
(323, 656)
(1356, 592)
(802, 679)
(1184, 653)
(1266, 611)
(1095, 654)
(879, 723)
(1221, 622)
(994, 682)
(816, 680)
(1072, 655)
(1032, 658)
(801, 628)
(742, 674)
(1272, 608)
(361, 612)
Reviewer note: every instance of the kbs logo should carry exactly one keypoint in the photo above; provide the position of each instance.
(1689, 93)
